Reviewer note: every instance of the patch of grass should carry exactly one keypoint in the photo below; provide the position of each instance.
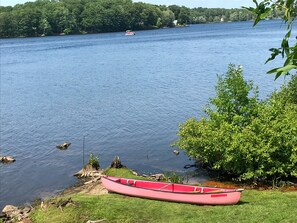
(255, 206)
(269, 206)
(123, 172)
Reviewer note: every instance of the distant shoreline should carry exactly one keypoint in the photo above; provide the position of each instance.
(153, 28)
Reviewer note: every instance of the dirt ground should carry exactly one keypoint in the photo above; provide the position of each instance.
(92, 186)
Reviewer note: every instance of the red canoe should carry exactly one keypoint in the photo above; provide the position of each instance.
(172, 192)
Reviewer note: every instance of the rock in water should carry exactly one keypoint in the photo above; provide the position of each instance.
(64, 145)
(6, 159)
(176, 152)
(116, 163)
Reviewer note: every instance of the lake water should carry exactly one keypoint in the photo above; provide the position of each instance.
(125, 95)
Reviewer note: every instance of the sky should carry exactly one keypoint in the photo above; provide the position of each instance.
(187, 3)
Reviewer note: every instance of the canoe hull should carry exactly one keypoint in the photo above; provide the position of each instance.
(222, 198)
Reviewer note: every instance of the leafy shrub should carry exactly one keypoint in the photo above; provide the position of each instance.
(94, 161)
(242, 136)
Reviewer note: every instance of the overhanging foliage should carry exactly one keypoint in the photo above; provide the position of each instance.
(287, 50)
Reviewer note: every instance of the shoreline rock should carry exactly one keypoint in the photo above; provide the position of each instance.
(158, 176)
(116, 163)
(89, 171)
(11, 214)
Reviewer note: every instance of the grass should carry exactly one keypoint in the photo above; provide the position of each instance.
(122, 172)
(255, 206)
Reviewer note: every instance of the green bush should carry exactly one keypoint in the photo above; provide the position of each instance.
(94, 161)
(243, 136)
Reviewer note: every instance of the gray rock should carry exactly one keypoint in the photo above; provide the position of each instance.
(6, 159)
(11, 214)
(11, 211)
(116, 163)
(176, 152)
(158, 176)
(89, 171)
(26, 210)
(64, 145)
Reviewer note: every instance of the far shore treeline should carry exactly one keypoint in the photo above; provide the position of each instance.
(63, 17)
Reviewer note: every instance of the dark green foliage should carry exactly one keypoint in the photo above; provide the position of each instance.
(204, 15)
(53, 17)
(47, 17)
(242, 136)
(184, 16)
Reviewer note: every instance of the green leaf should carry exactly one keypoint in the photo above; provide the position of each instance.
(288, 35)
(258, 19)
(265, 13)
(273, 71)
(277, 75)
(287, 68)
(275, 52)
(255, 1)
(282, 70)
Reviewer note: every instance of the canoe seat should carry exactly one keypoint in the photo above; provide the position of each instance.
(131, 183)
(198, 190)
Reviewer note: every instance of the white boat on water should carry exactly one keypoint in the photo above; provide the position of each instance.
(129, 33)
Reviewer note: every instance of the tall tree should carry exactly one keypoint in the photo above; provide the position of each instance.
(8, 25)
(184, 16)
(92, 15)
(167, 18)
(150, 15)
